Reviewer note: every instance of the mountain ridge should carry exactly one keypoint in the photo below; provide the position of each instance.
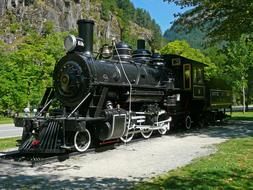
(18, 17)
(195, 37)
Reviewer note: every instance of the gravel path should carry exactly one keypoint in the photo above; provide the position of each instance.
(122, 167)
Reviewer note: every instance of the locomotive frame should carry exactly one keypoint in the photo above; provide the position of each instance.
(115, 97)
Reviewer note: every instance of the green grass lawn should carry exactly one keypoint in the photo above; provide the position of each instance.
(248, 116)
(230, 168)
(8, 143)
(5, 120)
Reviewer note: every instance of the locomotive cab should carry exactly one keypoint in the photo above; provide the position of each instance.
(189, 74)
(189, 86)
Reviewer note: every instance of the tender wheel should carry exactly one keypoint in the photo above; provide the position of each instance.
(213, 118)
(146, 133)
(164, 129)
(82, 140)
(201, 123)
(188, 122)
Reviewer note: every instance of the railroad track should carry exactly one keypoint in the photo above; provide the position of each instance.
(33, 160)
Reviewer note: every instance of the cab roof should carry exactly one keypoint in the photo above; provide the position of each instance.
(169, 57)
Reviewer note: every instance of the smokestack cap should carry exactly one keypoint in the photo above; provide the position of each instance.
(84, 21)
(141, 44)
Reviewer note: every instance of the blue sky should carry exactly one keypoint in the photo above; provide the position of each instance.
(162, 12)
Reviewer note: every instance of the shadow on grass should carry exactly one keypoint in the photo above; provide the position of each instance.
(53, 182)
(232, 129)
(241, 118)
(234, 179)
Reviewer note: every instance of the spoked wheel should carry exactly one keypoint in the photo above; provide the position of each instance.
(164, 129)
(82, 140)
(146, 133)
(128, 136)
(188, 122)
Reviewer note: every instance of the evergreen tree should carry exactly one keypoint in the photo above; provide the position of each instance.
(228, 19)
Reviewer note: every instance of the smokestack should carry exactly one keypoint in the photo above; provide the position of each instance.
(85, 31)
(140, 44)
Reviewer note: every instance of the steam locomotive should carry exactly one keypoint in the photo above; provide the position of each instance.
(117, 94)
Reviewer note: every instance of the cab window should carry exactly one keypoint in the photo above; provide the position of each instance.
(198, 75)
(187, 76)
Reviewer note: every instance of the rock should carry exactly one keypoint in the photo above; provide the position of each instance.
(64, 15)
(2, 7)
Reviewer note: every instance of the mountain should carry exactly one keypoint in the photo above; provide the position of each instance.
(32, 33)
(194, 37)
(113, 18)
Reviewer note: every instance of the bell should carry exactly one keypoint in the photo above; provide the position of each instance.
(106, 52)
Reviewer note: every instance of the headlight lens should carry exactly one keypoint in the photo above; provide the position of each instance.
(70, 43)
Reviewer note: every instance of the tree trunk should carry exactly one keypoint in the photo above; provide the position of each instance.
(247, 101)
(243, 98)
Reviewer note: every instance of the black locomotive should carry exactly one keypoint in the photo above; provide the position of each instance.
(118, 93)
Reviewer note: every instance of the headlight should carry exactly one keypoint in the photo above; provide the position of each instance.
(70, 43)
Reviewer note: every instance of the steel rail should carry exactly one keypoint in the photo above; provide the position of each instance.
(34, 160)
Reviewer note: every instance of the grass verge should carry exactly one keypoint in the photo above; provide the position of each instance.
(230, 168)
(248, 116)
(8, 143)
(5, 120)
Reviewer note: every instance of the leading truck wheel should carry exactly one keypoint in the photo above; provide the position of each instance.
(82, 140)
(188, 122)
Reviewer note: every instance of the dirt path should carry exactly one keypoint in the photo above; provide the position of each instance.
(127, 164)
